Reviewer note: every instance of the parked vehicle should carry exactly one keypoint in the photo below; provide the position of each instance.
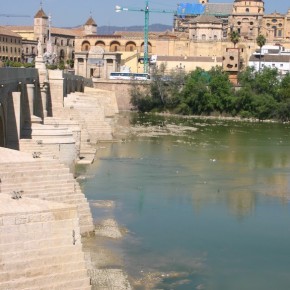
(129, 76)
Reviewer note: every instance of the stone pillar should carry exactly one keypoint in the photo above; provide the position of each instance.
(43, 91)
(86, 67)
(16, 99)
(57, 88)
(31, 96)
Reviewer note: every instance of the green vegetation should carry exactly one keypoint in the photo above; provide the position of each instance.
(262, 95)
(9, 63)
(234, 37)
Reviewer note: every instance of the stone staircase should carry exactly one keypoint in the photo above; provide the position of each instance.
(50, 141)
(37, 149)
(40, 246)
(48, 180)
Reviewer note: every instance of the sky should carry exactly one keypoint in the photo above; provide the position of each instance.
(71, 13)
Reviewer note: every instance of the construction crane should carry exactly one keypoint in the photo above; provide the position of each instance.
(146, 11)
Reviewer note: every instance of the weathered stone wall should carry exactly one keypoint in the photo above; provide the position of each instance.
(121, 89)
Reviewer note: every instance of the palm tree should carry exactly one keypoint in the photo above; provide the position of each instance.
(261, 41)
(235, 37)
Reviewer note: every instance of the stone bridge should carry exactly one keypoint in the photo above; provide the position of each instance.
(25, 98)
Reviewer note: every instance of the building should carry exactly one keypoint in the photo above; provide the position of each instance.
(276, 26)
(60, 41)
(200, 37)
(10, 45)
(206, 28)
(246, 17)
(272, 56)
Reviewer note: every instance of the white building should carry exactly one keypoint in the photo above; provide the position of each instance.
(273, 56)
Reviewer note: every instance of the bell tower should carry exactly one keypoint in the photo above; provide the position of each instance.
(41, 26)
(247, 18)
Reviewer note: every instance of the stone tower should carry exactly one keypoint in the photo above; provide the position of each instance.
(41, 24)
(90, 27)
(247, 17)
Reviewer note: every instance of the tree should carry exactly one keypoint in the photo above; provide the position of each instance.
(234, 37)
(261, 41)
(221, 90)
(193, 100)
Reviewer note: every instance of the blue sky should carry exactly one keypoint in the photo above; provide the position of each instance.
(68, 13)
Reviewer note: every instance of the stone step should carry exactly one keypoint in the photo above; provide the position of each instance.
(35, 171)
(48, 281)
(39, 244)
(54, 255)
(39, 164)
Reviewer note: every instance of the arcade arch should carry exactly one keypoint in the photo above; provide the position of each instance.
(149, 47)
(130, 46)
(100, 43)
(115, 46)
(86, 46)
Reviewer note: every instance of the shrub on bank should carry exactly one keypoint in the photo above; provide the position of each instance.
(263, 95)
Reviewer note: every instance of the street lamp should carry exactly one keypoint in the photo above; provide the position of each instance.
(99, 65)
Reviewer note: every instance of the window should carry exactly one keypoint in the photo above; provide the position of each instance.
(275, 30)
(247, 10)
(203, 37)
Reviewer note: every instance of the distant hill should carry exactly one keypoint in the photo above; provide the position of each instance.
(152, 27)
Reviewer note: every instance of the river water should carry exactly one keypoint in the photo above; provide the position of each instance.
(204, 210)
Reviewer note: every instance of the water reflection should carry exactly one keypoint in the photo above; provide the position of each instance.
(208, 204)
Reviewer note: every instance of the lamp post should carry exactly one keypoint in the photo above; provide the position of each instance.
(99, 65)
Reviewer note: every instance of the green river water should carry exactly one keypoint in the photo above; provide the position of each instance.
(204, 210)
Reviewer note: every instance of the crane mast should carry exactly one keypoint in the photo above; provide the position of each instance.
(146, 11)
